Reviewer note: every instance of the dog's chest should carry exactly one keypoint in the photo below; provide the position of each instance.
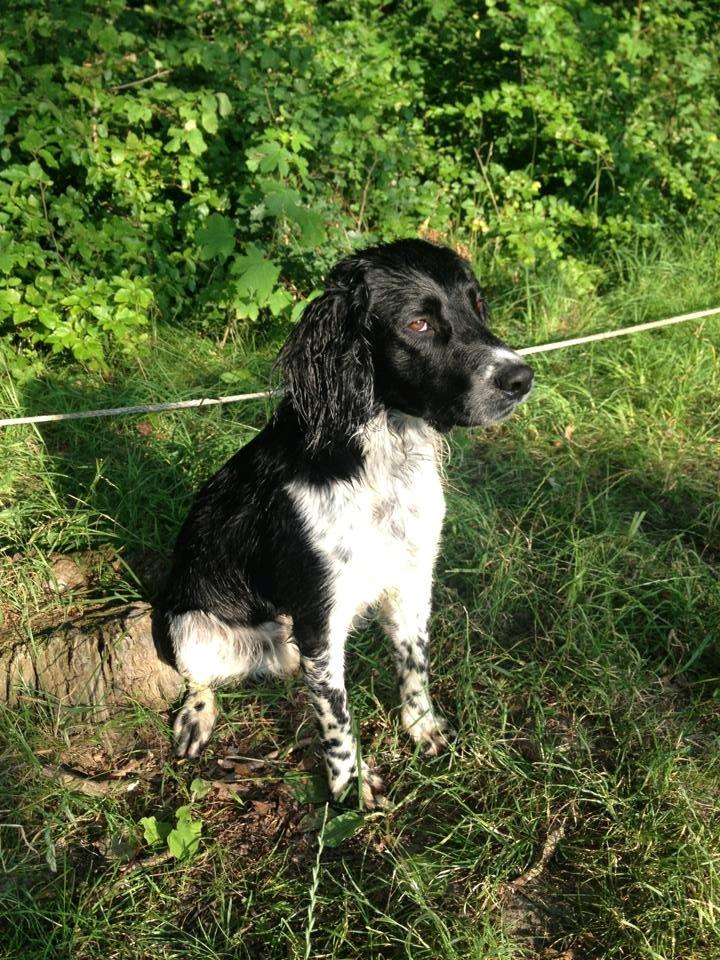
(374, 531)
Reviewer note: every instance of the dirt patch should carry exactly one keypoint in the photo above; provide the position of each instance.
(535, 916)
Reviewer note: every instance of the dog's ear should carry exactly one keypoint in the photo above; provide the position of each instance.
(327, 360)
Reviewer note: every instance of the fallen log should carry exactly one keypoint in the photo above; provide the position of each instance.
(101, 661)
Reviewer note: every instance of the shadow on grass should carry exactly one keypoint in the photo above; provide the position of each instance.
(129, 480)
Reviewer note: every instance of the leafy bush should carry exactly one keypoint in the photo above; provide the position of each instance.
(589, 122)
(204, 163)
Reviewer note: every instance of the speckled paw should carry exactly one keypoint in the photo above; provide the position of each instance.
(373, 793)
(437, 738)
(194, 723)
(373, 790)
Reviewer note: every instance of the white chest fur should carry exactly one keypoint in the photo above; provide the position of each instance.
(382, 529)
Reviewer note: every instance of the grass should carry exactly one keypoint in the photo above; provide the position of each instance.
(576, 620)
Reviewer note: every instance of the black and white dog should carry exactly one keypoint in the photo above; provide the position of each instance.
(336, 506)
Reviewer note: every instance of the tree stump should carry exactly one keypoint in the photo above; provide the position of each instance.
(100, 662)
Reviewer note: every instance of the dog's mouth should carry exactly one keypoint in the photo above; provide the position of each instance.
(507, 405)
(477, 409)
(494, 414)
(503, 411)
(462, 416)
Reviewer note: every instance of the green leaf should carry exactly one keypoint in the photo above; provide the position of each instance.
(196, 142)
(224, 105)
(278, 300)
(440, 9)
(22, 314)
(184, 812)
(9, 299)
(255, 275)
(155, 831)
(216, 237)
(35, 171)
(312, 230)
(312, 821)
(209, 121)
(282, 201)
(307, 788)
(279, 199)
(199, 788)
(268, 157)
(245, 310)
(48, 158)
(138, 110)
(341, 827)
(184, 841)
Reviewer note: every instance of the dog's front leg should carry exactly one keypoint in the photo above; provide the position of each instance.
(405, 613)
(322, 660)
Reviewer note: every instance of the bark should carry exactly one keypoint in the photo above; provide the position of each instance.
(100, 662)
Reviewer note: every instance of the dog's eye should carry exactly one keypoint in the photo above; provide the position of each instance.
(418, 326)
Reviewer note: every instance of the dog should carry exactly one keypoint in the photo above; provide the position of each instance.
(336, 506)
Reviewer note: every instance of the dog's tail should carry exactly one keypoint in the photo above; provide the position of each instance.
(207, 651)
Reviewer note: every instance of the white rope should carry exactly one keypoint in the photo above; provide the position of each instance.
(637, 328)
(264, 394)
(143, 408)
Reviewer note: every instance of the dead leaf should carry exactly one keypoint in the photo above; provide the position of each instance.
(65, 575)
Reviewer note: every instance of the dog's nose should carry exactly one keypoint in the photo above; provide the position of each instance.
(515, 379)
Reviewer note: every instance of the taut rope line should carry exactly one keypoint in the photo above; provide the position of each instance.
(262, 395)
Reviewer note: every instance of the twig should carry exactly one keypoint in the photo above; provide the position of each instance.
(91, 788)
(48, 221)
(140, 408)
(148, 862)
(271, 109)
(23, 835)
(127, 768)
(270, 394)
(548, 852)
(483, 171)
(137, 83)
(8, 870)
(366, 188)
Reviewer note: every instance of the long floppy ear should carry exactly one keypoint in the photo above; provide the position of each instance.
(327, 360)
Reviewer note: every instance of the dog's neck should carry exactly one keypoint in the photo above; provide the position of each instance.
(391, 438)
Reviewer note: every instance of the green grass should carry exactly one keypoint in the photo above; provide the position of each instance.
(577, 614)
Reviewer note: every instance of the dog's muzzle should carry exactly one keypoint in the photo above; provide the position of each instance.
(498, 387)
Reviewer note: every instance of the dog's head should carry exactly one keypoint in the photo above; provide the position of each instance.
(401, 326)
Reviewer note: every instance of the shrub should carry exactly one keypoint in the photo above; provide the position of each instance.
(204, 163)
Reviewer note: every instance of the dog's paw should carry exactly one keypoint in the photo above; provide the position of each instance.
(194, 723)
(373, 792)
(436, 738)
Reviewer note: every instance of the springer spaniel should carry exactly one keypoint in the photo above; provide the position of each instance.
(336, 506)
